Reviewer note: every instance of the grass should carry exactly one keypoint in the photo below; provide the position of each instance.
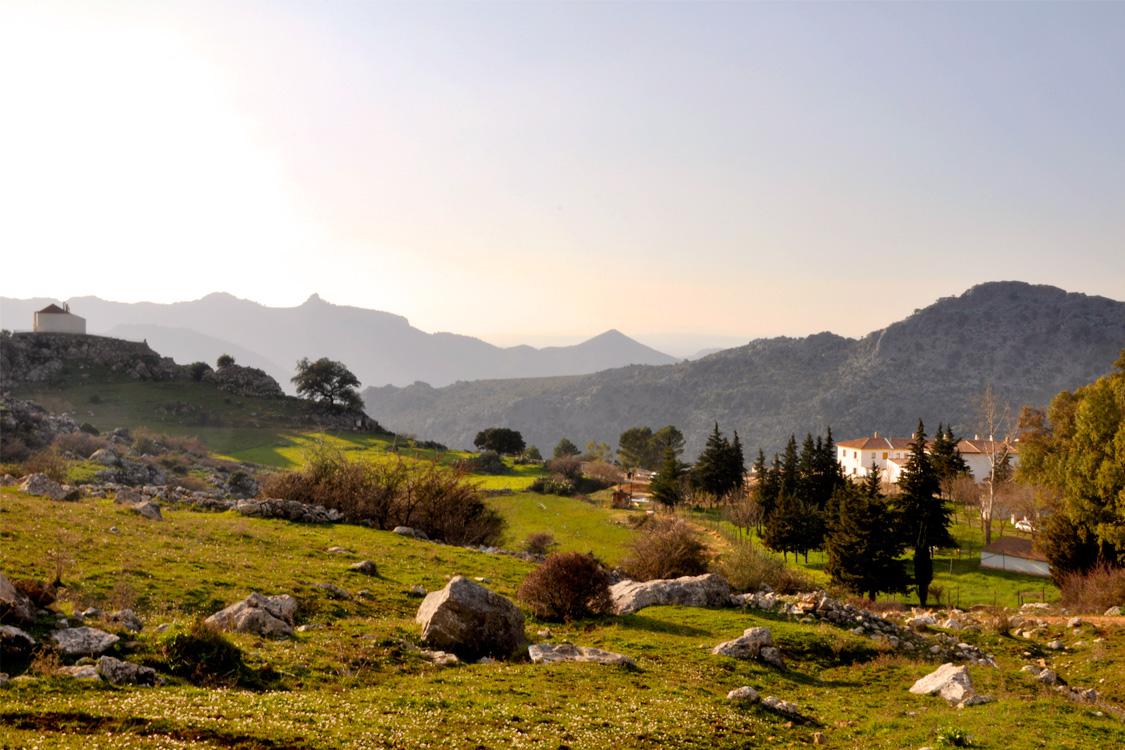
(352, 680)
(577, 525)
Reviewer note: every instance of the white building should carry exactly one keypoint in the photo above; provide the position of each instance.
(55, 319)
(890, 455)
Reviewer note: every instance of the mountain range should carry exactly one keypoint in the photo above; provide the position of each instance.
(1028, 342)
(379, 347)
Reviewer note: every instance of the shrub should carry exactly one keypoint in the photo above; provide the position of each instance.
(199, 370)
(47, 462)
(566, 587)
(953, 737)
(748, 568)
(556, 484)
(666, 548)
(204, 656)
(567, 466)
(487, 462)
(602, 472)
(388, 494)
(13, 449)
(539, 543)
(89, 429)
(224, 360)
(1096, 591)
(81, 444)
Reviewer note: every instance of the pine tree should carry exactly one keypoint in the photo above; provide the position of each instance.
(945, 456)
(789, 476)
(714, 472)
(862, 544)
(736, 464)
(667, 486)
(924, 516)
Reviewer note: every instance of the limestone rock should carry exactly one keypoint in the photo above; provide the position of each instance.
(83, 641)
(127, 619)
(786, 708)
(149, 510)
(546, 653)
(744, 694)
(365, 567)
(119, 672)
(105, 457)
(333, 591)
(269, 616)
(80, 672)
(754, 643)
(709, 590)
(1113, 612)
(290, 510)
(14, 604)
(410, 532)
(43, 486)
(471, 621)
(128, 496)
(1041, 674)
(950, 682)
(441, 658)
(16, 648)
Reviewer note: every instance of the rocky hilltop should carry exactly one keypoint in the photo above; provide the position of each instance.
(1028, 341)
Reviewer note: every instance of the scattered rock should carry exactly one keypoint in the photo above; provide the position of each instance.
(441, 658)
(149, 510)
(14, 604)
(4, 679)
(119, 672)
(417, 590)
(471, 621)
(90, 613)
(16, 648)
(818, 738)
(410, 532)
(269, 616)
(333, 591)
(127, 619)
(1055, 645)
(754, 643)
(105, 457)
(339, 551)
(1113, 612)
(80, 672)
(921, 621)
(950, 682)
(786, 708)
(744, 694)
(546, 653)
(365, 567)
(1074, 622)
(289, 510)
(1041, 674)
(709, 590)
(43, 486)
(83, 641)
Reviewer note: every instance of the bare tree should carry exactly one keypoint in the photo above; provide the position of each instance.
(995, 419)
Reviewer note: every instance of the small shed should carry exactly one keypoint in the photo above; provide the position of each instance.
(55, 319)
(1015, 555)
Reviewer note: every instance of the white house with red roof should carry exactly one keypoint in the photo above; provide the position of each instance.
(55, 319)
(890, 454)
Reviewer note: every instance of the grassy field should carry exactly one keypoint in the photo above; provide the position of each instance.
(352, 680)
(577, 525)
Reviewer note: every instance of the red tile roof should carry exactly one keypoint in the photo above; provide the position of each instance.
(967, 446)
(1015, 546)
(876, 442)
(53, 308)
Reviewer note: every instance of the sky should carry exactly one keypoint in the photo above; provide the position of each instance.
(692, 174)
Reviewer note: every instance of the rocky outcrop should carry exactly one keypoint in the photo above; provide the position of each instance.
(951, 683)
(15, 607)
(73, 643)
(117, 672)
(269, 616)
(471, 621)
(16, 649)
(754, 643)
(709, 590)
(546, 653)
(48, 357)
(149, 510)
(244, 381)
(289, 510)
(30, 423)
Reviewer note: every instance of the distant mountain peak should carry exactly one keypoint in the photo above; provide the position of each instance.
(314, 299)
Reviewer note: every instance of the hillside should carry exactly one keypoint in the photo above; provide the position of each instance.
(379, 347)
(1028, 341)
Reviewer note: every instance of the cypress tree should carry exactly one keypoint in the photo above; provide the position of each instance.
(736, 464)
(862, 543)
(667, 485)
(924, 516)
(789, 476)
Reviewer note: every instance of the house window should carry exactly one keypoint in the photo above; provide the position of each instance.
(884, 455)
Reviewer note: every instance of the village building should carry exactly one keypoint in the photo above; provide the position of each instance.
(55, 319)
(891, 453)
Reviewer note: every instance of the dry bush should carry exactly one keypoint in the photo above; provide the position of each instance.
(666, 548)
(41, 594)
(602, 471)
(748, 568)
(539, 543)
(567, 466)
(388, 494)
(13, 449)
(47, 462)
(566, 587)
(80, 444)
(191, 482)
(1096, 591)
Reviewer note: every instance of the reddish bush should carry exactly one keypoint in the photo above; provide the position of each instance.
(1096, 591)
(566, 587)
(666, 548)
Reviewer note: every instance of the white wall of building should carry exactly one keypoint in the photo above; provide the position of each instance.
(1011, 564)
(59, 323)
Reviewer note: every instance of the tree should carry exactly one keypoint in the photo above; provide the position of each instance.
(328, 382)
(995, 417)
(224, 360)
(947, 459)
(634, 448)
(533, 454)
(716, 473)
(667, 486)
(794, 526)
(499, 439)
(596, 451)
(667, 437)
(862, 541)
(565, 448)
(925, 517)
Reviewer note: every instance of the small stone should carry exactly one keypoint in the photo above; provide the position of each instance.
(1055, 645)
(819, 739)
(365, 567)
(80, 672)
(417, 590)
(744, 694)
(1074, 622)
(119, 672)
(339, 551)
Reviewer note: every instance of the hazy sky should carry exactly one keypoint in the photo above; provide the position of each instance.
(538, 172)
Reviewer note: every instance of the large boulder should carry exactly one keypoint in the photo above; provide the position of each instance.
(269, 616)
(546, 653)
(950, 682)
(471, 621)
(43, 486)
(148, 509)
(73, 643)
(709, 590)
(117, 672)
(16, 649)
(14, 604)
(105, 457)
